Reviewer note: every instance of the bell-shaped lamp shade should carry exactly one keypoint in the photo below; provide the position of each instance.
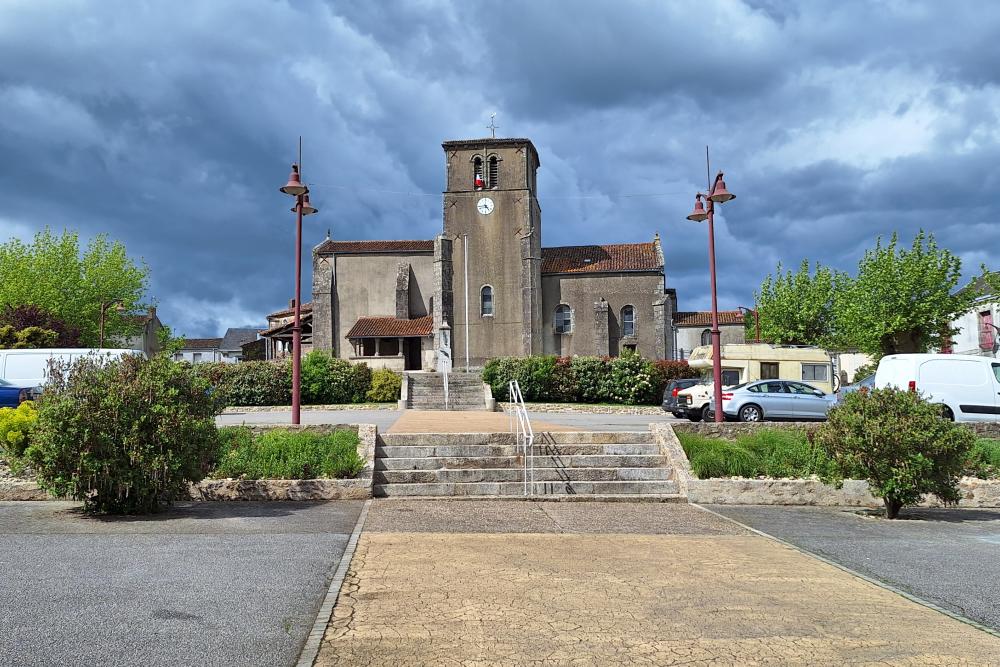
(307, 208)
(698, 214)
(720, 193)
(294, 185)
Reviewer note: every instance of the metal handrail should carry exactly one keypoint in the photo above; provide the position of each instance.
(524, 435)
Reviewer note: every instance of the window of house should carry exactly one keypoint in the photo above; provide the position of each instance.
(494, 172)
(628, 321)
(486, 301)
(768, 370)
(368, 347)
(477, 172)
(563, 320)
(815, 372)
(706, 337)
(388, 347)
(986, 330)
(196, 357)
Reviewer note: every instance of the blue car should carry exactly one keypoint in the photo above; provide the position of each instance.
(12, 394)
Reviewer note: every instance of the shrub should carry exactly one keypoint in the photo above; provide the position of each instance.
(16, 425)
(592, 379)
(864, 371)
(899, 443)
(385, 386)
(27, 338)
(563, 385)
(283, 454)
(329, 380)
(631, 380)
(498, 373)
(123, 435)
(249, 382)
(665, 370)
(711, 457)
(984, 459)
(30, 315)
(768, 453)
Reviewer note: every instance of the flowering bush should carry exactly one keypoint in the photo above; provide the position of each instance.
(631, 380)
(15, 428)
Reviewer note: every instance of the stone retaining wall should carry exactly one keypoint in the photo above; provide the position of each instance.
(742, 491)
(732, 430)
(240, 409)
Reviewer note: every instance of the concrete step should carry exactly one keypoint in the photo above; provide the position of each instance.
(404, 477)
(438, 403)
(542, 438)
(541, 461)
(416, 451)
(664, 487)
(451, 407)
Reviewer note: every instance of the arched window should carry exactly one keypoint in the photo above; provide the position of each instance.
(494, 172)
(628, 321)
(477, 173)
(486, 301)
(563, 321)
(706, 337)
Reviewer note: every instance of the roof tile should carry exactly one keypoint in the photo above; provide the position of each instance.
(608, 258)
(703, 318)
(330, 246)
(390, 327)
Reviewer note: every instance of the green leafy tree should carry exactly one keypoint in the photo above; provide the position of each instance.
(899, 443)
(797, 308)
(902, 300)
(52, 273)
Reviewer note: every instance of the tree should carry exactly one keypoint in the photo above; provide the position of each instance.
(898, 442)
(29, 315)
(52, 274)
(797, 308)
(903, 300)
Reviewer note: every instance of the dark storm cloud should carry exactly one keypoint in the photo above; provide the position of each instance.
(170, 126)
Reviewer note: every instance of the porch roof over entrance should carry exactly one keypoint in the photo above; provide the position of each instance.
(391, 327)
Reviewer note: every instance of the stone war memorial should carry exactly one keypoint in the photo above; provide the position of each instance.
(488, 276)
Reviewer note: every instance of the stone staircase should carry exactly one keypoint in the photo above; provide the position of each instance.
(425, 391)
(599, 465)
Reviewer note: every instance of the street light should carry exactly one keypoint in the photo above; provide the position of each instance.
(718, 195)
(119, 307)
(302, 207)
(756, 320)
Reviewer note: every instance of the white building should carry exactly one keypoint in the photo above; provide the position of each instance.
(228, 349)
(694, 328)
(976, 327)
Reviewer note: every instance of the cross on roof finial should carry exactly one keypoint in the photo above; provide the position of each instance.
(493, 126)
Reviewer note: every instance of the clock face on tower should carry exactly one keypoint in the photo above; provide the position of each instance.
(485, 206)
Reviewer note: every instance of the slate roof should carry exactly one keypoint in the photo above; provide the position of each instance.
(236, 337)
(201, 343)
(703, 318)
(608, 258)
(390, 327)
(330, 246)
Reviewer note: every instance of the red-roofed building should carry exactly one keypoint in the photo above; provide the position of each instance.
(489, 278)
(693, 329)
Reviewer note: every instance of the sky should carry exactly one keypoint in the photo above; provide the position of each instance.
(171, 125)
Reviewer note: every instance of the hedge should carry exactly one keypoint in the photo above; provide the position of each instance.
(628, 379)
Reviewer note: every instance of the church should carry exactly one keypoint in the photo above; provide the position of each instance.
(486, 282)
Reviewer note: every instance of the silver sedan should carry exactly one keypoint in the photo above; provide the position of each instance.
(776, 399)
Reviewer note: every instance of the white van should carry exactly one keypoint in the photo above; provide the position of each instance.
(31, 367)
(968, 386)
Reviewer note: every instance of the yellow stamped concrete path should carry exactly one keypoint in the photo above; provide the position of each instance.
(696, 593)
(468, 421)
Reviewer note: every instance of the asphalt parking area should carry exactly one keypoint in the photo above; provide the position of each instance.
(950, 557)
(200, 584)
(589, 583)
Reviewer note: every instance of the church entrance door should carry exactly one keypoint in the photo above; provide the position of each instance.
(411, 354)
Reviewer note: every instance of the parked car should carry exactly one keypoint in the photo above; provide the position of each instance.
(674, 387)
(966, 386)
(13, 394)
(28, 368)
(695, 402)
(776, 399)
(867, 383)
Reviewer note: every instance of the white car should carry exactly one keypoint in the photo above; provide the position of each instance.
(968, 387)
(31, 367)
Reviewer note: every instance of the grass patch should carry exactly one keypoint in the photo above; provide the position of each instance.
(767, 453)
(282, 454)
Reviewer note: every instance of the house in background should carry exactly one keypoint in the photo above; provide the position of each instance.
(228, 349)
(977, 332)
(148, 338)
(694, 328)
(278, 335)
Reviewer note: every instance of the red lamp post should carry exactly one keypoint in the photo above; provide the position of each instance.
(302, 207)
(718, 195)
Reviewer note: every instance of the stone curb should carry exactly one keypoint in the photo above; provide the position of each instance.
(307, 657)
(237, 409)
(588, 409)
(859, 575)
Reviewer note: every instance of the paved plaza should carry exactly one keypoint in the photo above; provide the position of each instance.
(491, 582)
